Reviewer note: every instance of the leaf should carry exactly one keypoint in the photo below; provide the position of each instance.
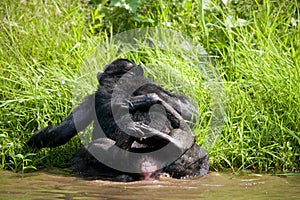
(232, 22)
(19, 156)
(130, 5)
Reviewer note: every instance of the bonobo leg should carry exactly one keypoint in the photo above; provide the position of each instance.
(53, 136)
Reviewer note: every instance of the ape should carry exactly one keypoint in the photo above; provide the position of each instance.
(132, 116)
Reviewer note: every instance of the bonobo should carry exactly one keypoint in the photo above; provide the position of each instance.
(141, 130)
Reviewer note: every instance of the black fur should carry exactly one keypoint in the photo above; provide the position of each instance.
(132, 104)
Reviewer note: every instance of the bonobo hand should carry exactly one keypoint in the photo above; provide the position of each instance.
(42, 138)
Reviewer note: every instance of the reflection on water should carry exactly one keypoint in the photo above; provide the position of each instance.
(59, 185)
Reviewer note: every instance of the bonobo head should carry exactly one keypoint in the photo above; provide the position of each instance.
(116, 69)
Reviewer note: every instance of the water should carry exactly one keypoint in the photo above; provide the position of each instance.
(55, 184)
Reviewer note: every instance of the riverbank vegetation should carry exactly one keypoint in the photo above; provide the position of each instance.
(255, 46)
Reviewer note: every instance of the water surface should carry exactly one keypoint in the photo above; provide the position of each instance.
(54, 184)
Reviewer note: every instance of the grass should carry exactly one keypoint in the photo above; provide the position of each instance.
(256, 46)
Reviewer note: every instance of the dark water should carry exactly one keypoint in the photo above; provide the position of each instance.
(56, 185)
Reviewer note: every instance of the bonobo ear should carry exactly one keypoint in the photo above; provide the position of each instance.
(99, 75)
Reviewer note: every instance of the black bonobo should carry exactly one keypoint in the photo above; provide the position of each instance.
(141, 131)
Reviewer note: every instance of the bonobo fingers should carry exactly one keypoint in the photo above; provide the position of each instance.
(178, 141)
(152, 132)
(54, 136)
(42, 138)
(135, 130)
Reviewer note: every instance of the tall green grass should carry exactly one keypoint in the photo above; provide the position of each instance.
(40, 53)
(256, 49)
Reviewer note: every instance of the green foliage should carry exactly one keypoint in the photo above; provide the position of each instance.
(255, 45)
(109, 15)
(130, 5)
(39, 42)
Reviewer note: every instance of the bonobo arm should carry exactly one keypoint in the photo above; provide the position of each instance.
(182, 104)
(138, 131)
(183, 140)
(144, 101)
(53, 136)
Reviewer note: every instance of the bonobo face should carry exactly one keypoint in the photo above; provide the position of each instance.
(116, 69)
